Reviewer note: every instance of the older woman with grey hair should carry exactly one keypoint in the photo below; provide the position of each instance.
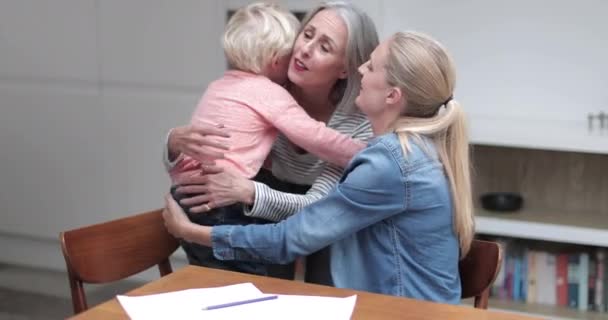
(335, 39)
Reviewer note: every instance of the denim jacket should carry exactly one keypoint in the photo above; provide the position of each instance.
(389, 223)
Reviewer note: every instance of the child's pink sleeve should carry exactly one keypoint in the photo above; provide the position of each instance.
(312, 135)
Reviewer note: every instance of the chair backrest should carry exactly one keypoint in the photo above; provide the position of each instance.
(478, 271)
(115, 250)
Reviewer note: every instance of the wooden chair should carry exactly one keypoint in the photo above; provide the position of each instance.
(478, 271)
(115, 250)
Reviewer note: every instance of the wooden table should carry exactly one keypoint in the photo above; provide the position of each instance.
(368, 306)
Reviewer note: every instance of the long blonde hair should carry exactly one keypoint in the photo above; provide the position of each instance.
(422, 68)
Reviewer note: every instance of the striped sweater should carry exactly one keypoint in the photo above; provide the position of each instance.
(288, 165)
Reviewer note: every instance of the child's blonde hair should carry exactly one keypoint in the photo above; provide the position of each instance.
(256, 34)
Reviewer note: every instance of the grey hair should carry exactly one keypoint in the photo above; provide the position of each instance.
(361, 41)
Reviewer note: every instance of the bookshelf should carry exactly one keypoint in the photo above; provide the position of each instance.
(583, 229)
(564, 215)
(549, 312)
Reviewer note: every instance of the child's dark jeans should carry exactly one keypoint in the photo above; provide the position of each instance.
(203, 256)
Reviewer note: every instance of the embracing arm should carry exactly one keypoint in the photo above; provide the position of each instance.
(372, 190)
(194, 140)
(170, 155)
(275, 205)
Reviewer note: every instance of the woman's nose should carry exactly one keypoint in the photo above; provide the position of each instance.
(306, 49)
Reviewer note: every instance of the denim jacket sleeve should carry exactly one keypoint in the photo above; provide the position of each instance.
(372, 189)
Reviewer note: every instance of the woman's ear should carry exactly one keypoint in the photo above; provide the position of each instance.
(275, 61)
(275, 64)
(395, 96)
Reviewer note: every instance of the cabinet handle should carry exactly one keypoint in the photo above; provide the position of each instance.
(602, 117)
(590, 122)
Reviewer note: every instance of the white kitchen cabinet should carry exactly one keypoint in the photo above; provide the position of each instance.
(530, 73)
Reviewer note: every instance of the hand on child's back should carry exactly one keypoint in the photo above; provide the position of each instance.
(200, 141)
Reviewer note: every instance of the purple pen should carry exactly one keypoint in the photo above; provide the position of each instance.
(238, 303)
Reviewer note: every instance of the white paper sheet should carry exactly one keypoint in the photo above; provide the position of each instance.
(188, 304)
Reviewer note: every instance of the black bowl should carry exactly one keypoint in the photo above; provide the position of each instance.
(502, 201)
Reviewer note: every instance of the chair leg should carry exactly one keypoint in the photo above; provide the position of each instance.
(481, 301)
(79, 300)
(165, 267)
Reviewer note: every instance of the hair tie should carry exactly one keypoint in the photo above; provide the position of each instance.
(445, 103)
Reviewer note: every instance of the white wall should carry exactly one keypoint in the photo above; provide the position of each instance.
(88, 89)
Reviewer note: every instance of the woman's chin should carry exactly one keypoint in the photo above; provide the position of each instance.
(358, 102)
(361, 105)
(294, 77)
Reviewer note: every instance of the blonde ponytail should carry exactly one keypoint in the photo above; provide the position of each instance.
(422, 67)
(458, 171)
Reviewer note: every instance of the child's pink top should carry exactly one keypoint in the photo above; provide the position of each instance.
(254, 109)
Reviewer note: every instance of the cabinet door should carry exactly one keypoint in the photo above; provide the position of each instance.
(530, 73)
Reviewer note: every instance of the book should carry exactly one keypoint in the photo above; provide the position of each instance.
(531, 294)
(600, 256)
(573, 279)
(509, 275)
(516, 276)
(545, 278)
(550, 274)
(498, 287)
(524, 276)
(583, 282)
(605, 284)
(561, 279)
(591, 280)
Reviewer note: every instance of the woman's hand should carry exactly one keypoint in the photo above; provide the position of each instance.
(195, 140)
(215, 189)
(179, 226)
(175, 218)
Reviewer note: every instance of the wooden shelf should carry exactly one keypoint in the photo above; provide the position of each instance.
(575, 228)
(550, 312)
